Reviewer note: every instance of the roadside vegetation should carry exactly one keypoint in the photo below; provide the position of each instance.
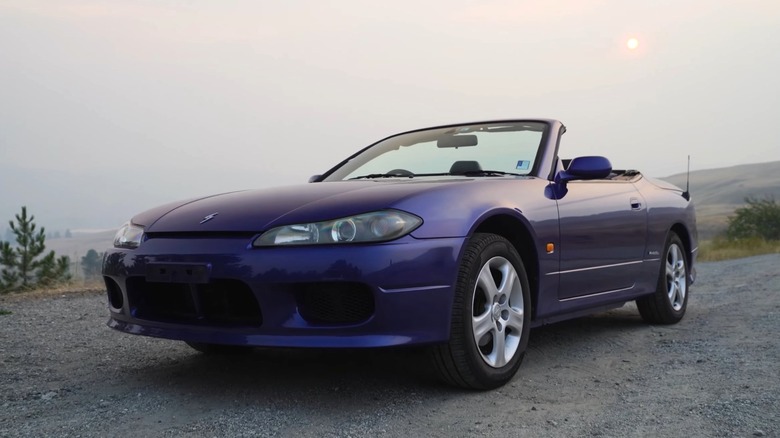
(753, 230)
(724, 249)
(24, 265)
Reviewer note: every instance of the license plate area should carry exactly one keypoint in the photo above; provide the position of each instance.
(194, 273)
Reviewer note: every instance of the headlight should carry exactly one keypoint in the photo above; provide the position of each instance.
(129, 236)
(369, 227)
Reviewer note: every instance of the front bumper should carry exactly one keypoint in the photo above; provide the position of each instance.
(408, 285)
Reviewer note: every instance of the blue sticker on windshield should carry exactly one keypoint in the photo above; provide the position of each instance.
(523, 165)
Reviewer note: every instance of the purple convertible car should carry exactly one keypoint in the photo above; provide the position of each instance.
(460, 238)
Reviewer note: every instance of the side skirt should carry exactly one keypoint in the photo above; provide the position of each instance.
(576, 314)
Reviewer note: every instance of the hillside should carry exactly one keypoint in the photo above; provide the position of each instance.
(718, 192)
(77, 246)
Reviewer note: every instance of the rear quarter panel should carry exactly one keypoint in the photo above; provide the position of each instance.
(667, 210)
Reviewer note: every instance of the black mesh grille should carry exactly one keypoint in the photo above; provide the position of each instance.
(218, 302)
(335, 302)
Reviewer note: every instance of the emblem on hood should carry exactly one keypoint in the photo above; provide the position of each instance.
(209, 217)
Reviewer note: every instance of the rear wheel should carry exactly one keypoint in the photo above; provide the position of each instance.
(490, 317)
(667, 305)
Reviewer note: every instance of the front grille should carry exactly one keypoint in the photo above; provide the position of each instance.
(200, 235)
(334, 302)
(218, 302)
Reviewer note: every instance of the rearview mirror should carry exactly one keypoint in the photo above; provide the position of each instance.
(456, 141)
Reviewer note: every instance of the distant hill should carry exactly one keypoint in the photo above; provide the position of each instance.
(77, 246)
(718, 192)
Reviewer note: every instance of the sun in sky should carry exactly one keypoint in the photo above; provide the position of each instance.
(632, 43)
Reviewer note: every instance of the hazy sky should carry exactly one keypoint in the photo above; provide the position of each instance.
(109, 107)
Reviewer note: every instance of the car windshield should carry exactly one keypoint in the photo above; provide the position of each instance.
(486, 149)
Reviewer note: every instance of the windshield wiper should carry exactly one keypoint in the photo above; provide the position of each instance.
(467, 173)
(487, 173)
(382, 175)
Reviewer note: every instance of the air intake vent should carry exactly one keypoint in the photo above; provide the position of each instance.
(218, 302)
(335, 302)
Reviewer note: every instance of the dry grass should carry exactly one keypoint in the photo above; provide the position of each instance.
(65, 288)
(723, 249)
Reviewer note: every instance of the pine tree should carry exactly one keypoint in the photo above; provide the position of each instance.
(50, 270)
(21, 268)
(30, 246)
(91, 264)
(8, 276)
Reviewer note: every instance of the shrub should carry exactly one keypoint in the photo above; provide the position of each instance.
(759, 218)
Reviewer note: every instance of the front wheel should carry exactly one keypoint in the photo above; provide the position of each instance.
(667, 305)
(490, 317)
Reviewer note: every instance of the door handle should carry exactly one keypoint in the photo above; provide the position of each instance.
(635, 204)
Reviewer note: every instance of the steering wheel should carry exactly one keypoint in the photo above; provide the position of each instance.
(400, 172)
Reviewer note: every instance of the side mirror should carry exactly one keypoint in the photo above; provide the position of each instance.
(314, 178)
(585, 168)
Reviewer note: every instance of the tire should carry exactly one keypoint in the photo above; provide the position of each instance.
(667, 305)
(219, 349)
(490, 317)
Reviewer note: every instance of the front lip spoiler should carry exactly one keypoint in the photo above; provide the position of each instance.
(208, 335)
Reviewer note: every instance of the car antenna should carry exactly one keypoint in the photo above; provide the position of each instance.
(687, 193)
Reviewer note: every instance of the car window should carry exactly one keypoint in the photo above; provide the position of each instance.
(466, 149)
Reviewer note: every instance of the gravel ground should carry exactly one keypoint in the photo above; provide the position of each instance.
(716, 373)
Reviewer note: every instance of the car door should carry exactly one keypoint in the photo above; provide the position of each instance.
(603, 228)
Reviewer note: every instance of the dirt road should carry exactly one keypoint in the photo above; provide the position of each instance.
(717, 373)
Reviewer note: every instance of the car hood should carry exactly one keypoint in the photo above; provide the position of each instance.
(259, 210)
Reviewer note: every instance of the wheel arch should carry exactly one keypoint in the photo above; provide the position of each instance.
(684, 235)
(519, 234)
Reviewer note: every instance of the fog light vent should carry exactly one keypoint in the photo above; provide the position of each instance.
(115, 298)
